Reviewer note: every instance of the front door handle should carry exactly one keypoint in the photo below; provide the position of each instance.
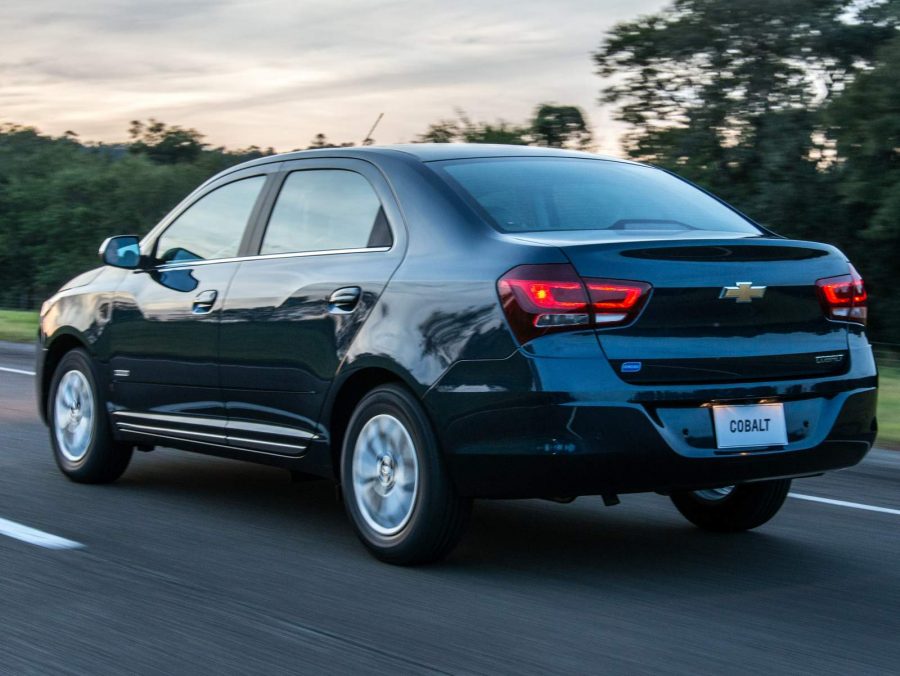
(204, 302)
(343, 301)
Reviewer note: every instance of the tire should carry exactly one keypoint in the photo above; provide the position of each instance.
(80, 433)
(735, 508)
(396, 490)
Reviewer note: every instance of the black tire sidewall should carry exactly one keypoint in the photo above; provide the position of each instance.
(746, 507)
(105, 458)
(432, 487)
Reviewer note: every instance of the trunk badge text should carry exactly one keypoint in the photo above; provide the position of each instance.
(743, 292)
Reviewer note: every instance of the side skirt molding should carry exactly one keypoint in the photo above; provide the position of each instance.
(247, 437)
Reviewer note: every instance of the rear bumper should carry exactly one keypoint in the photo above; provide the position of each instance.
(643, 464)
(509, 436)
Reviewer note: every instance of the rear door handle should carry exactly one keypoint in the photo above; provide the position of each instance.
(204, 302)
(343, 301)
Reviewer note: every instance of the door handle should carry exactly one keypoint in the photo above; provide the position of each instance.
(343, 301)
(204, 302)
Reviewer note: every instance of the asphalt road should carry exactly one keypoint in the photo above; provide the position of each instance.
(200, 565)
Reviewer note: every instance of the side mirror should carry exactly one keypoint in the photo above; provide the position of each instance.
(123, 251)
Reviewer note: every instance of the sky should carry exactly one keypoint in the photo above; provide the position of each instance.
(276, 72)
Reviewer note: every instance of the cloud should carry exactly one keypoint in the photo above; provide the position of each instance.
(275, 72)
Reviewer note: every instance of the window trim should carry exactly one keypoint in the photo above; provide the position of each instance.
(244, 232)
(269, 171)
(290, 254)
(265, 217)
(353, 165)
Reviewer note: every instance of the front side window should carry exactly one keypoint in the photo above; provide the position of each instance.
(555, 194)
(213, 226)
(325, 209)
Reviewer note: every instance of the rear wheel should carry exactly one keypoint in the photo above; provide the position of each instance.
(80, 434)
(733, 508)
(396, 490)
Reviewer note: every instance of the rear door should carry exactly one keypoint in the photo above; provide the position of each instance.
(165, 324)
(331, 241)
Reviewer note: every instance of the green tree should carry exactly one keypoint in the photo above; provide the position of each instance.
(59, 198)
(730, 95)
(694, 80)
(551, 125)
(164, 144)
(865, 121)
(463, 129)
(321, 141)
(560, 127)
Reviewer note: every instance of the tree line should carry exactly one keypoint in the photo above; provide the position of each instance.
(788, 110)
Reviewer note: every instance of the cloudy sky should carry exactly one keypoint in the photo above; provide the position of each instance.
(276, 72)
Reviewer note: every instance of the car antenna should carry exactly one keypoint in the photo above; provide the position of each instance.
(368, 140)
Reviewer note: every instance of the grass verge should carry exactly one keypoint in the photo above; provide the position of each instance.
(889, 407)
(18, 326)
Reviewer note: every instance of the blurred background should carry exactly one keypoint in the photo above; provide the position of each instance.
(112, 111)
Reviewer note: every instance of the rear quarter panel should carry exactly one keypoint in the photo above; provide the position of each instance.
(441, 305)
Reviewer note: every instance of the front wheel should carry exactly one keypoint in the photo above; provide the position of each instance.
(80, 434)
(398, 495)
(733, 508)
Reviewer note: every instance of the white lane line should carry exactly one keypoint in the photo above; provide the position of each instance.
(35, 537)
(844, 503)
(22, 371)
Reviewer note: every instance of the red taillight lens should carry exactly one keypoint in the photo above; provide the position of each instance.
(538, 299)
(615, 301)
(844, 298)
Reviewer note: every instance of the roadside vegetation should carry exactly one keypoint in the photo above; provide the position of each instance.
(788, 110)
(889, 407)
(18, 326)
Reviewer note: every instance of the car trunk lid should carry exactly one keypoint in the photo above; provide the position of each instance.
(720, 310)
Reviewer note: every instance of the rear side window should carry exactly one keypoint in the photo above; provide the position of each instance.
(553, 194)
(325, 209)
(213, 226)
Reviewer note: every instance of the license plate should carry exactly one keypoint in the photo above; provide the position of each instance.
(752, 425)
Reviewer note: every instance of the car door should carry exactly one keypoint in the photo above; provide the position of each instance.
(164, 333)
(330, 243)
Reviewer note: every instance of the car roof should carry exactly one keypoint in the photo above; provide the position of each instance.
(427, 152)
(432, 152)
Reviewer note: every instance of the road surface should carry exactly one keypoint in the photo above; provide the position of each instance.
(201, 565)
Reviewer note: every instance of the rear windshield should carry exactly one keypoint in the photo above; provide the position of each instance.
(554, 194)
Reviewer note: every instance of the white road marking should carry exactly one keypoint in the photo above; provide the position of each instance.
(22, 371)
(844, 503)
(35, 537)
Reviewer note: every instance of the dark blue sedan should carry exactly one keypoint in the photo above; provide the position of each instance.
(428, 324)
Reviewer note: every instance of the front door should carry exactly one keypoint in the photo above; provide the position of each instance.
(165, 324)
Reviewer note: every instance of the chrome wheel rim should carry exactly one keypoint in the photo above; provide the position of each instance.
(385, 474)
(714, 494)
(73, 417)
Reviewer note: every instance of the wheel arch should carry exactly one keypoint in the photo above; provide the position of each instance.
(56, 349)
(348, 394)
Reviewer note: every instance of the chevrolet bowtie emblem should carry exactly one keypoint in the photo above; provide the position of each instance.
(743, 292)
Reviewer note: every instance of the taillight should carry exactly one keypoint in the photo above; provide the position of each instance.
(539, 299)
(614, 301)
(844, 298)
